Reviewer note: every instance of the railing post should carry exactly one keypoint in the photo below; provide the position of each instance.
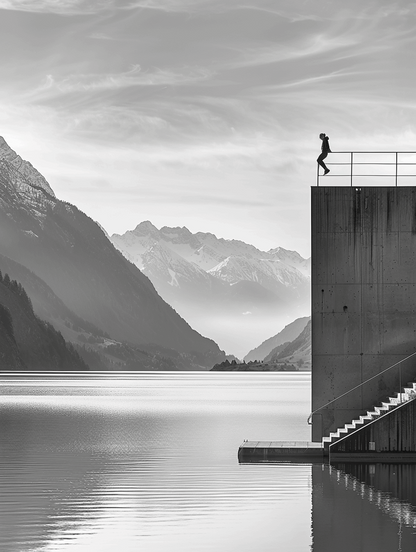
(396, 165)
(400, 382)
(352, 154)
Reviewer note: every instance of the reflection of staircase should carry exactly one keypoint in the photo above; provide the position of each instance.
(401, 511)
(409, 393)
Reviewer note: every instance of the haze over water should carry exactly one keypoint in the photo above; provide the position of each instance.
(148, 461)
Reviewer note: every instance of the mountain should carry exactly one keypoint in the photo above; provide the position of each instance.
(97, 349)
(292, 355)
(27, 342)
(227, 289)
(288, 334)
(46, 304)
(73, 256)
(10, 357)
(297, 352)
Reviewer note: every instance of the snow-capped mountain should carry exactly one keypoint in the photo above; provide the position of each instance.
(291, 258)
(223, 287)
(180, 253)
(274, 275)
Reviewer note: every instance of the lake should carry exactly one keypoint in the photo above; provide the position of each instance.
(148, 461)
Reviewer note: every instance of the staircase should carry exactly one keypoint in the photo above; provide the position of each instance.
(408, 394)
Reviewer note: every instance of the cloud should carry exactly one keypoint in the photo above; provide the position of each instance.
(86, 7)
(315, 45)
(339, 41)
(80, 7)
(187, 6)
(60, 7)
(293, 10)
(115, 123)
(95, 82)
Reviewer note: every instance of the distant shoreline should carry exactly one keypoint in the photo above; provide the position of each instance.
(259, 367)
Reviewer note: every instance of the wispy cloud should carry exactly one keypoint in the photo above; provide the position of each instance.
(329, 41)
(113, 81)
(187, 6)
(294, 10)
(61, 7)
(272, 53)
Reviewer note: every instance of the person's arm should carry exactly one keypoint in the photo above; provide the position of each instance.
(329, 147)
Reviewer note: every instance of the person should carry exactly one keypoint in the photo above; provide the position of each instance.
(325, 150)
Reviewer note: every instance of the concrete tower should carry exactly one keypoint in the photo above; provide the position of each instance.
(363, 298)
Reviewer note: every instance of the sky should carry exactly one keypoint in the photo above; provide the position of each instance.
(203, 113)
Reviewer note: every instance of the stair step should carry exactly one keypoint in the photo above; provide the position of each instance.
(408, 393)
(395, 400)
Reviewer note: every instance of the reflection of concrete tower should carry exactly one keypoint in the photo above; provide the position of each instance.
(363, 298)
(363, 507)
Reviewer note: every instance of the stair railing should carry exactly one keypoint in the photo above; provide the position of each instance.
(352, 161)
(364, 382)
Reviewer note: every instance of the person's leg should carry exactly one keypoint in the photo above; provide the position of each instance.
(320, 161)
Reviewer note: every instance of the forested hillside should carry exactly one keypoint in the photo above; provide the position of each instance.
(26, 341)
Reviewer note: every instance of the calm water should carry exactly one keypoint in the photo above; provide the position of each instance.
(148, 462)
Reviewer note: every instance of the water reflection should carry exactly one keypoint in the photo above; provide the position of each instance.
(364, 507)
(153, 466)
(151, 463)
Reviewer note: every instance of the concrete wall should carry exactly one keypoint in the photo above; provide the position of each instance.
(363, 297)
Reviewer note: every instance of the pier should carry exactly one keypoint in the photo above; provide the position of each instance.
(280, 451)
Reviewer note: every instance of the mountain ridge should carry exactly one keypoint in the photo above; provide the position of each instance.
(296, 352)
(293, 355)
(288, 334)
(70, 252)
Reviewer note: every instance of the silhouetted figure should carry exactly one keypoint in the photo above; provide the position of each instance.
(325, 150)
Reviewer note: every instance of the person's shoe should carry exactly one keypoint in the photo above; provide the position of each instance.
(326, 171)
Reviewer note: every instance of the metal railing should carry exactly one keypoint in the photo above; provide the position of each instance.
(395, 160)
(400, 394)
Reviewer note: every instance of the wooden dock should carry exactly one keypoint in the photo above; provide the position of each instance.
(280, 451)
